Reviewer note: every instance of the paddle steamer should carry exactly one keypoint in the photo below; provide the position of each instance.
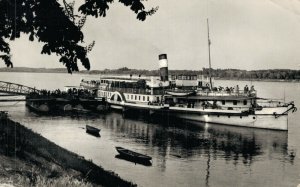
(191, 97)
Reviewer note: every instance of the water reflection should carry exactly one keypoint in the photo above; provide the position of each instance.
(184, 154)
(182, 140)
(189, 145)
(186, 140)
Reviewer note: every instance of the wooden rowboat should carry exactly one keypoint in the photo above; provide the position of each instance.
(3, 115)
(92, 130)
(180, 92)
(137, 157)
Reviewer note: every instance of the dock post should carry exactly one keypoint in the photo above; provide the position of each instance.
(124, 112)
(150, 114)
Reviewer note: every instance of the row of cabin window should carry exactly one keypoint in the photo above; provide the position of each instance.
(108, 94)
(139, 98)
(235, 102)
(184, 77)
(104, 81)
(135, 97)
(245, 102)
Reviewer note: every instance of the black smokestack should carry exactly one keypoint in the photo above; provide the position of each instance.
(163, 67)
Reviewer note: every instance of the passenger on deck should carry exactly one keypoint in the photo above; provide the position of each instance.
(215, 105)
(237, 89)
(252, 91)
(246, 89)
(227, 89)
(205, 105)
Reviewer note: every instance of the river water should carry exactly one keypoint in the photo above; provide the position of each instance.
(184, 153)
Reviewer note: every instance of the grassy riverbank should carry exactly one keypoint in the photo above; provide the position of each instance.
(28, 159)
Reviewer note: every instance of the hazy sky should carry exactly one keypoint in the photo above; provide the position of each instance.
(245, 34)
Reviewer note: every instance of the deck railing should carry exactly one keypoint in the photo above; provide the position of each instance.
(251, 93)
(135, 91)
(95, 84)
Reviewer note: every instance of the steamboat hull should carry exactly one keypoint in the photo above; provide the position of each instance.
(263, 119)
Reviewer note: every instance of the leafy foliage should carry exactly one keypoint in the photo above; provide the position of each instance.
(55, 26)
(98, 8)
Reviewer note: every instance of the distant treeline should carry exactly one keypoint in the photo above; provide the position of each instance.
(278, 74)
(271, 74)
(34, 70)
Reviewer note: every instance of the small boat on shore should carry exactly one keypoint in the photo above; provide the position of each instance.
(92, 130)
(134, 156)
(3, 115)
(180, 92)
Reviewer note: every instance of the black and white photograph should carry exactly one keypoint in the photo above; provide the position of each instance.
(150, 93)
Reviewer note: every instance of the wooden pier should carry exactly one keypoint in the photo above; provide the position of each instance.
(45, 101)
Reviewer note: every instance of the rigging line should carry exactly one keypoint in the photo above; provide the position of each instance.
(16, 103)
(209, 58)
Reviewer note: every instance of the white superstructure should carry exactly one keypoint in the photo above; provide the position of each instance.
(191, 97)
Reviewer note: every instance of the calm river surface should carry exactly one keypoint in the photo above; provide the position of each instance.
(184, 153)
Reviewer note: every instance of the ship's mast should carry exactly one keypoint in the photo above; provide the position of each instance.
(209, 43)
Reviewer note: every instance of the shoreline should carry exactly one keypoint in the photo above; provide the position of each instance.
(261, 80)
(119, 74)
(28, 159)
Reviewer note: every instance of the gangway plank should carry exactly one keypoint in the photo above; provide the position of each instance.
(17, 89)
